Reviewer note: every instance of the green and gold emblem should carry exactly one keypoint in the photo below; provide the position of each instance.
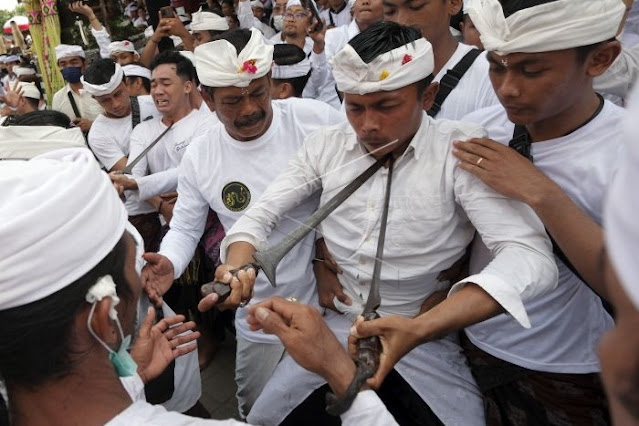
(236, 196)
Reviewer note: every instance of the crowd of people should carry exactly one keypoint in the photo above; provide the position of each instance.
(490, 233)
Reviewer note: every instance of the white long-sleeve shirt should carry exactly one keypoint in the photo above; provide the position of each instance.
(338, 37)
(248, 20)
(103, 39)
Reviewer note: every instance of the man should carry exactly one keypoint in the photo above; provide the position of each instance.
(205, 26)
(250, 14)
(473, 91)
(290, 72)
(470, 35)
(81, 294)
(338, 13)
(98, 31)
(138, 79)
(123, 52)
(386, 73)
(619, 347)
(72, 100)
(10, 62)
(227, 169)
(552, 115)
(365, 13)
(140, 21)
(22, 99)
(277, 18)
(295, 29)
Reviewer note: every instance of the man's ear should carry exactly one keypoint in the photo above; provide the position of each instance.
(428, 97)
(188, 86)
(602, 57)
(102, 324)
(454, 6)
(286, 91)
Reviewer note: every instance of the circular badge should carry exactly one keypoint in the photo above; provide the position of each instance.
(236, 196)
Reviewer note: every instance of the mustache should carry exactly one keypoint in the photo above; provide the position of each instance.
(250, 120)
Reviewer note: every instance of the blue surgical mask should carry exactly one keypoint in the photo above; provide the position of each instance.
(72, 74)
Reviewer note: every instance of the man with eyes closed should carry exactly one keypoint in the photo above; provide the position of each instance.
(227, 169)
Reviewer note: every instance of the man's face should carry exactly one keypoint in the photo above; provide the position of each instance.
(279, 7)
(431, 17)
(296, 21)
(168, 91)
(227, 9)
(619, 348)
(123, 58)
(201, 37)
(383, 117)
(72, 61)
(141, 14)
(258, 12)
(116, 104)
(368, 12)
(470, 33)
(533, 87)
(245, 112)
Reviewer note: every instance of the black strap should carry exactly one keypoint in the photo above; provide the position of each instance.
(522, 144)
(74, 106)
(135, 111)
(451, 80)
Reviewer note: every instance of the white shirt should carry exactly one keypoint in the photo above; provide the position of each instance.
(140, 22)
(336, 38)
(157, 172)
(620, 77)
(248, 20)
(567, 322)
(474, 90)
(109, 138)
(88, 107)
(367, 409)
(103, 39)
(228, 176)
(337, 19)
(430, 224)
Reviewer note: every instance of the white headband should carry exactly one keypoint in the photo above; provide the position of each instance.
(558, 25)
(59, 217)
(122, 46)
(12, 58)
(620, 213)
(106, 88)
(29, 90)
(68, 50)
(201, 21)
(291, 3)
(282, 72)
(132, 70)
(218, 64)
(19, 71)
(393, 70)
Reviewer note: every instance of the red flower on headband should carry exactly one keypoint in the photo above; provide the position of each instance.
(407, 58)
(249, 66)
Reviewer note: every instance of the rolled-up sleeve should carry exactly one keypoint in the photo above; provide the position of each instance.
(369, 410)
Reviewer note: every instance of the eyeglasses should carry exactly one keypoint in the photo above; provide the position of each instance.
(296, 16)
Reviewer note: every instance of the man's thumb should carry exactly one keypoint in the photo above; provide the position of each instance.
(271, 322)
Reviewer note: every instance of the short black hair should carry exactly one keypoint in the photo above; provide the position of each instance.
(37, 337)
(239, 38)
(298, 83)
(383, 37)
(100, 72)
(146, 83)
(183, 67)
(41, 118)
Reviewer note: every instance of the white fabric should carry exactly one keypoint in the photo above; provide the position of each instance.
(48, 205)
(218, 64)
(336, 38)
(106, 88)
(26, 142)
(390, 71)
(68, 50)
(156, 172)
(20, 71)
(282, 72)
(208, 21)
(567, 322)
(248, 20)
(29, 90)
(188, 55)
(291, 3)
(337, 19)
(556, 25)
(89, 108)
(216, 159)
(11, 58)
(474, 90)
(429, 227)
(622, 232)
(136, 71)
(257, 4)
(122, 46)
(140, 22)
(103, 39)
(134, 386)
(619, 78)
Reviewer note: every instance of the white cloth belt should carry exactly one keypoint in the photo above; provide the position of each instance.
(557, 25)
(392, 70)
(106, 88)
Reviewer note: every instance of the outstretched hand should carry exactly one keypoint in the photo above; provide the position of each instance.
(156, 346)
(157, 276)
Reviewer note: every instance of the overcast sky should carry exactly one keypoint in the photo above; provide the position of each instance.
(8, 4)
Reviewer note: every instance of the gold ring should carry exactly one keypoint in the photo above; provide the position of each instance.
(292, 299)
(480, 160)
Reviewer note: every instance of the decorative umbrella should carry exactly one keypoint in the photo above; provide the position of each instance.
(22, 21)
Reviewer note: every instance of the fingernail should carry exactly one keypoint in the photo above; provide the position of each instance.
(149, 310)
(227, 276)
(261, 313)
(353, 331)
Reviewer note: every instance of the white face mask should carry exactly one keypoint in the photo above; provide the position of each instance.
(278, 22)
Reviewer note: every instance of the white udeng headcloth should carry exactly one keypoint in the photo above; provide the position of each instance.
(558, 25)
(283, 72)
(132, 70)
(122, 46)
(68, 50)
(219, 65)
(393, 70)
(106, 88)
(59, 217)
(620, 214)
(201, 21)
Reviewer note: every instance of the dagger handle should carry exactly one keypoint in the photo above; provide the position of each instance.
(223, 290)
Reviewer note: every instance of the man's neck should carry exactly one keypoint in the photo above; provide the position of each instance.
(296, 39)
(176, 116)
(443, 50)
(363, 26)
(566, 121)
(339, 8)
(76, 87)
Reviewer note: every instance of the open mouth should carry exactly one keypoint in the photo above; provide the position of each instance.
(162, 102)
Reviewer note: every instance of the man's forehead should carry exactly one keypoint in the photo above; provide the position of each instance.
(164, 71)
(513, 59)
(240, 91)
(295, 8)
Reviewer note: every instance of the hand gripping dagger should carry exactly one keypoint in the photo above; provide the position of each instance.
(268, 260)
(370, 348)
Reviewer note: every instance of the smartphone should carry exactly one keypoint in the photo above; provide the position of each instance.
(166, 12)
(313, 8)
